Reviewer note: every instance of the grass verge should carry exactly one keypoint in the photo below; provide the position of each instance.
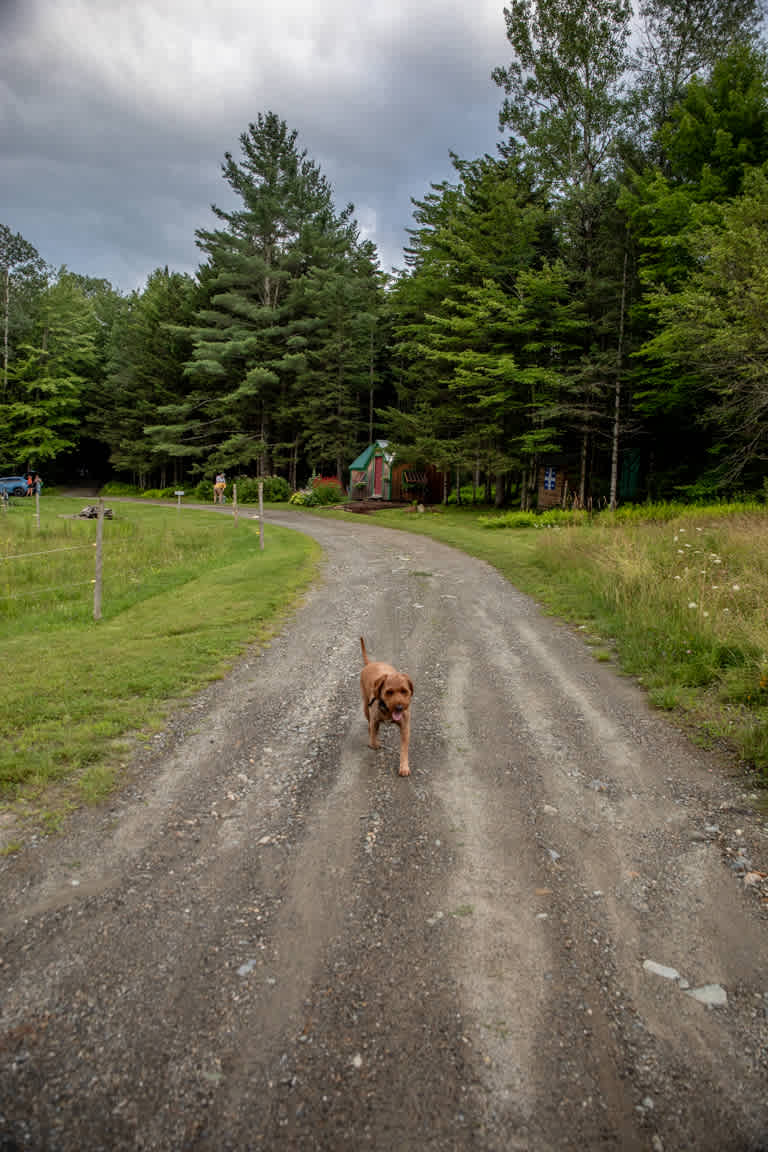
(184, 593)
(675, 595)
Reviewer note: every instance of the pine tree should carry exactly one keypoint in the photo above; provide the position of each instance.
(42, 419)
(248, 338)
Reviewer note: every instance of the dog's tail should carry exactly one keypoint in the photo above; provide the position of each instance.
(365, 654)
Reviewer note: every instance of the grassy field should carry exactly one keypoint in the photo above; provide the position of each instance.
(675, 596)
(184, 592)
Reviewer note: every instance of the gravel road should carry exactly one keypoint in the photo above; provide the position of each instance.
(268, 940)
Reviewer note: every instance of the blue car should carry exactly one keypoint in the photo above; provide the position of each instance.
(13, 485)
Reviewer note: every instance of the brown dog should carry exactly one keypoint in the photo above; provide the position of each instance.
(386, 699)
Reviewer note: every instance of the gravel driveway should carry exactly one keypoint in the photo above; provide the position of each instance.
(542, 940)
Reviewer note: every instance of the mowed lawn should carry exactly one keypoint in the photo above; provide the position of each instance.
(184, 593)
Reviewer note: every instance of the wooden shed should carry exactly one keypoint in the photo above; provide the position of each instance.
(370, 475)
(377, 475)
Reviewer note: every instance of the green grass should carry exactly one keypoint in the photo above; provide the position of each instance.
(678, 593)
(184, 593)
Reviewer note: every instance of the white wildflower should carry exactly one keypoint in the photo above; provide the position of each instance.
(693, 604)
(736, 587)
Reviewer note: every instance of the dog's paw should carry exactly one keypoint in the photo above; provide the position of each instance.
(405, 771)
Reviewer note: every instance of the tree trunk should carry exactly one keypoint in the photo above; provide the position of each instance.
(499, 499)
(583, 470)
(7, 304)
(370, 392)
(617, 395)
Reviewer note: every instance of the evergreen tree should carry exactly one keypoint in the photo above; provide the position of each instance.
(249, 337)
(714, 331)
(42, 417)
(146, 353)
(566, 105)
(23, 276)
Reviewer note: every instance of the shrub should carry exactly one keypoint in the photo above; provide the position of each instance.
(202, 492)
(552, 518)
(327, 490)
(118, 488)
(304, 497)
(275, 489)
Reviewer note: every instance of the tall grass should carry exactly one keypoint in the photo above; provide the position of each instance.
(184, 592)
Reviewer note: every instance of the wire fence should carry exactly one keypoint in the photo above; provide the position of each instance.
(94, 581)
(97, 547)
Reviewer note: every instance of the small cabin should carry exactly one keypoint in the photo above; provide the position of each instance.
(377, 475)
(370, 475)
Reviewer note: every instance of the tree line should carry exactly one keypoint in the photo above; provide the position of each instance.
(593, 294)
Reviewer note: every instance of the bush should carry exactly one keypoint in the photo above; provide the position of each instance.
(552, 518)
(275, 489)
(118, 488)
(304, 497)
(202, 492)
(327, 490)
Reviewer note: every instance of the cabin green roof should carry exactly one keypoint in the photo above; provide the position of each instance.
(364, 459)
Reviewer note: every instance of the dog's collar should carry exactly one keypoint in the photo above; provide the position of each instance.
(378, 700)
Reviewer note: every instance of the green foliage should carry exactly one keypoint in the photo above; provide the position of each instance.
(305, 498)
(327, 490)
(275, 489)
(119, 488)
(551, 518)
(41, 416)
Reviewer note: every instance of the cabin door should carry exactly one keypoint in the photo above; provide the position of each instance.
(378, 473)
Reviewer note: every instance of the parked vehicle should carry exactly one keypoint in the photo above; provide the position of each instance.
(13, 485)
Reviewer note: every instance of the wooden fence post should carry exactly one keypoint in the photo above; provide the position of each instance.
(234, 502)
(99, 541)
(37, 505)
(261, 514)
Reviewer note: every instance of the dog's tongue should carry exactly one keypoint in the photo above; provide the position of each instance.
(397, 715)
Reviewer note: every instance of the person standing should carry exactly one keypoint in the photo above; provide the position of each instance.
(219, 488)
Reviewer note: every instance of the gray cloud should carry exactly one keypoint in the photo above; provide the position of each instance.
(115, 114)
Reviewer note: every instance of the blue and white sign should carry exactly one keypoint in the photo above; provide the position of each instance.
(550, 478)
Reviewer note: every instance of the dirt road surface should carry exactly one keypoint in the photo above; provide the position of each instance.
(268, 940)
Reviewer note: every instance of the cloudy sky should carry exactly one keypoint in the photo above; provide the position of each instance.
(115, 114)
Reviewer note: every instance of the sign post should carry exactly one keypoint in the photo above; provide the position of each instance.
(179, 493)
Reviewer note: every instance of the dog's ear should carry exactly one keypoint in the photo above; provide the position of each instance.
(410, 684)
(377, 684)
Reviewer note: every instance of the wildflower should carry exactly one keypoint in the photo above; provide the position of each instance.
(681, 529)
(715, 586)
(677, 577)
(693, 604)
(736, 587)
(680, 552)
(705, 613)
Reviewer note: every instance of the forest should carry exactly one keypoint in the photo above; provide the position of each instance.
(593, 294)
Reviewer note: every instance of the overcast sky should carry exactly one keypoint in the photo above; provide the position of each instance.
(115, 114)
